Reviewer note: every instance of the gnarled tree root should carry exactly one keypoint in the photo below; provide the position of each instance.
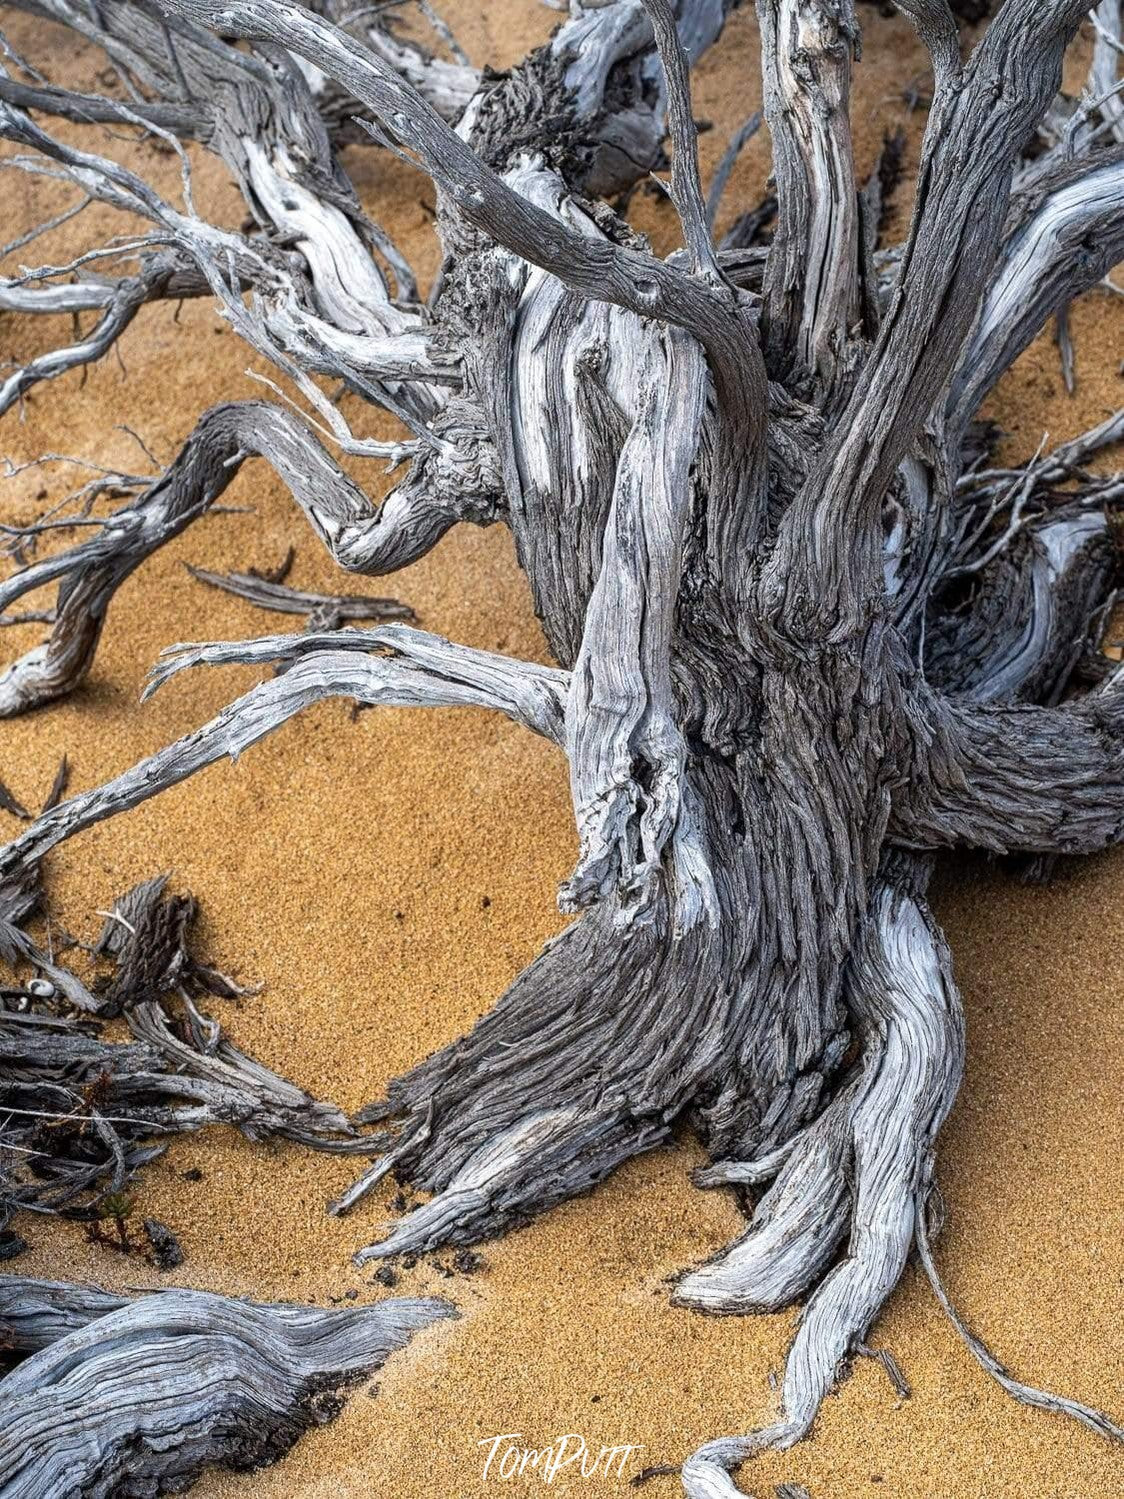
(133, 1400)
(869, 1150)
(585, 1061)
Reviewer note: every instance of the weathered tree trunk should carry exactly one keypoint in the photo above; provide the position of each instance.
(799, 648)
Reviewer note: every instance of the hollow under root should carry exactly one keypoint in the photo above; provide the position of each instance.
(878, 1132)
(797, 1225)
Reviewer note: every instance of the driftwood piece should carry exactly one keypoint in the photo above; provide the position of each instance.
(21, 899)
(406, 525)
(267, 594)
(807, 633)
(36, 1313)
(135, 1399)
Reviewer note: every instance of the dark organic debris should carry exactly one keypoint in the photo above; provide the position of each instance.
(166, 1250)
(657, 1470)
(9, 803)
(11, 1244)
(276, 574)
(58, 785)
(890, 1364)
(146, 934)
(83, 1113)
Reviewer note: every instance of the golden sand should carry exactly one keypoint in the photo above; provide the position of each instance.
(386, 878)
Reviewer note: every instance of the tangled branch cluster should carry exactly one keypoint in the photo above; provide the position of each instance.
(808, 634)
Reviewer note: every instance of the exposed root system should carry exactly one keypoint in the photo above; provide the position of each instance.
(808, 634)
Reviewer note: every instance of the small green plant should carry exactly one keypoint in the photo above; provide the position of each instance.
(115, 1210)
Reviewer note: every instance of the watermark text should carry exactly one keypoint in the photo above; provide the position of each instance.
(569, 1454)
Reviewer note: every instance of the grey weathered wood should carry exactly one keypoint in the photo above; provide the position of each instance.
(1072, 236)
(811, 308)
(84, 1111)
(806, 637)
(627, 754)
(285, 600)
(900, 983)
(36, 1313)
(138, 1399)
(360, 536)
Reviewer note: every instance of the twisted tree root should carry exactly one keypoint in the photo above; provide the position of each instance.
(794, 638)
(900, 989)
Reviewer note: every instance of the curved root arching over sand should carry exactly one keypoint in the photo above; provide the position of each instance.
(806, 637)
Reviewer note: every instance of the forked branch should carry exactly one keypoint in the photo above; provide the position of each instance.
(825, 573)
(1071, 238)
(415, 670)
(360, 536)
(595, 267)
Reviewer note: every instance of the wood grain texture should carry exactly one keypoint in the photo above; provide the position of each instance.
(807, 634)
(135, 1399)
